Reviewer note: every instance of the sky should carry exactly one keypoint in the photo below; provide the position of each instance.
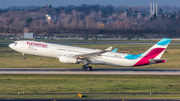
(56, 3)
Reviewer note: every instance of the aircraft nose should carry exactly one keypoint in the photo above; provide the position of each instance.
(10, 45)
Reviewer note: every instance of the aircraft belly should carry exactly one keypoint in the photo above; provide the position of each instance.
(119, 62)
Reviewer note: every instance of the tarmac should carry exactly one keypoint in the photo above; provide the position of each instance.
(81, 99)
(95, 71)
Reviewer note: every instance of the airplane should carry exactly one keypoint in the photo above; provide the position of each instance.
(76, 55)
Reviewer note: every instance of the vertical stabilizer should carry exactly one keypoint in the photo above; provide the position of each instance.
(155, 52)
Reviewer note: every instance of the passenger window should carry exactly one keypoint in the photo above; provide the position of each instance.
(15, 43)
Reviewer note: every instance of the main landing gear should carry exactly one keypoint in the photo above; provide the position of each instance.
(23, 56)
(87, 67)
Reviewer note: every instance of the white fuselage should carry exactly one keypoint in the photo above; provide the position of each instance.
(55, 50)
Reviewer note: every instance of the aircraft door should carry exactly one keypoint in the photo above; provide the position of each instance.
(52, 49)
(23, 45)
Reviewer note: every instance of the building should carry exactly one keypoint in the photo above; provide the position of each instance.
(49, 17)
(49, 6)
(135, 13)
(28, 35)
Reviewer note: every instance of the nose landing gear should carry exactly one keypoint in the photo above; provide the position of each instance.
(23, 56)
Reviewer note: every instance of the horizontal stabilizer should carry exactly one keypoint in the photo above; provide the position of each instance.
(114, 50)
(154, 61)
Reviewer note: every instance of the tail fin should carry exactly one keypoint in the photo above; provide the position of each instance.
(155, 52)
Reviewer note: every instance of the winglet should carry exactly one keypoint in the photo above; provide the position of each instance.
(109, 48)
(114, 50)
(164, 41)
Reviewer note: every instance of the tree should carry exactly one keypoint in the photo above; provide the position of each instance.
(163, 16)
(74, 23)
(28, 22)
(160, 12)
(172, 16)
(81, 24)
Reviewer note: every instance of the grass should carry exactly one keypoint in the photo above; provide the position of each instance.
(12, 59)
(11, 84)
(93, 83)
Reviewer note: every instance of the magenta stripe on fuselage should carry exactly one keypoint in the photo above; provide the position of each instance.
(151, 55)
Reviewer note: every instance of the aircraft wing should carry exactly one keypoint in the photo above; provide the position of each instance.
(92, 55)
(89, 55)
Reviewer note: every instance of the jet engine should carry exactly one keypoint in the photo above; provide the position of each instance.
(67, 59)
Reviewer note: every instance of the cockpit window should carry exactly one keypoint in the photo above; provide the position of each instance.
(15, 43)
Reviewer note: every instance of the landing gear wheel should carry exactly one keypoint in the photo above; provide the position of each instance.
(23, 58)
(89, 68)
(84, 67)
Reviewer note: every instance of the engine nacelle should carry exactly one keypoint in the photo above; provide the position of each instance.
(67, 59)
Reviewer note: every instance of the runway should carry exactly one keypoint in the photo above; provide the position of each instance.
(85, 97)
(95, 71)
(93, 94)
(81, 99)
